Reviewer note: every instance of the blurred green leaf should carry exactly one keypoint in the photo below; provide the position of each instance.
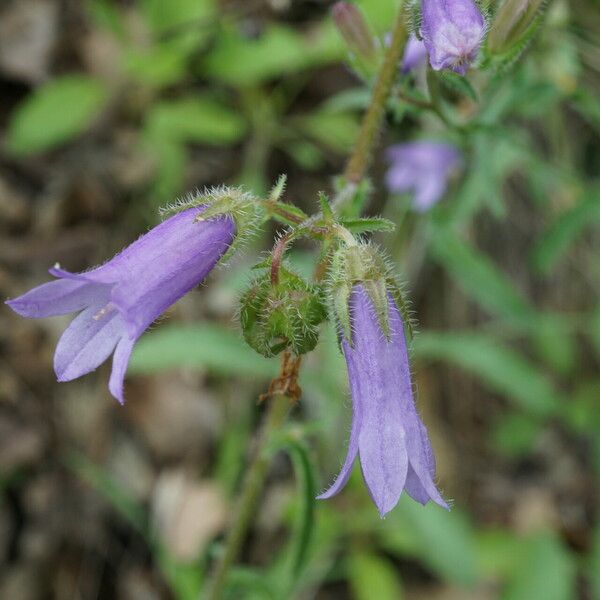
(555, 343)
(499, 552)
(162, 15)
(443, 540)
(373, 576)
(562, 233)
(515, 434)
(278, 51)
(478, 275)
(207, 346)
(198, 119)
(333, 130)
(55, 113)
(547, 571)
(504, 370)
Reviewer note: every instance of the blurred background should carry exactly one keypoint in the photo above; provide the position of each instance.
(110, 109)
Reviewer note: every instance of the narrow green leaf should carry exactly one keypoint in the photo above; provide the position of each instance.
(458, 84)
(447, 542)
(547, 571)
(373, 576)
(208, 346)
(478, 276)
(198, 119)
(504, 370)
(368, 225)
(307, 490)
(562, 233)
(55, 113)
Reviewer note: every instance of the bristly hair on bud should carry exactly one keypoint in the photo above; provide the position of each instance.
(367, 265)
(282, 315)
(244, 208)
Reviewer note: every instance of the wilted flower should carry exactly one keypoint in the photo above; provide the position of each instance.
(387, 433)
(422, 168)
(121, 298)
(452, 31)
(415, 54)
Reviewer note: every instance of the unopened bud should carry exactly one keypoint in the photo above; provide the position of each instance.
(511, 22)
(355, 31)
(280, 316)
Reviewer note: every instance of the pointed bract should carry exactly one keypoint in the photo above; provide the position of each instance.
(453, 31)
(387, 434)
(120, 299)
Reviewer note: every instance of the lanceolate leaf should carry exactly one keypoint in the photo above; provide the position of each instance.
(503, 369)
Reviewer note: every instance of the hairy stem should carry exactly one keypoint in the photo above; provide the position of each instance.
(278, 407)
(360, 159)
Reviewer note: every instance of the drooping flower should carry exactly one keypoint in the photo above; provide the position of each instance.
(121, 298)
(387, 433)
(423, 168)
(415, 54)
(453, 31)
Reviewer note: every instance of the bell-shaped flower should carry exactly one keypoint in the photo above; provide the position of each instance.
(453, 31)
(120, 299)
(422, 168)
(387, 434)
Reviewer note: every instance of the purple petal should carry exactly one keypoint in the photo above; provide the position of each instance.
(415, 54)
(120, 362)
(419, 449)
(429, 193)
(346, 470)
(382, 443)
(165, 264)
(57, 298)
(452, 31)
(422, 167)
(87, 342)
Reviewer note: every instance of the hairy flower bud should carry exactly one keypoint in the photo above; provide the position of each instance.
(452, 31)
(356, 33)
(387, 434)
(282, 315)
(511, 22)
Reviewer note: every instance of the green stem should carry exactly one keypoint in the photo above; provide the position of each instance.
(361, 156)
(253, 484)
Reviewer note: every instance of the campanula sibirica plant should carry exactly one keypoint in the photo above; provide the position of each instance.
(349, 282)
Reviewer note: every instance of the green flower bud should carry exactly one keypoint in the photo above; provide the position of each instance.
(511, 22)
(280, 316)
(364, 264)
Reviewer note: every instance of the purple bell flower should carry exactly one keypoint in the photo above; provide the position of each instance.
(120, 299)
(452, 31)
(422, 168)
(387, 433)
(415, 54)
